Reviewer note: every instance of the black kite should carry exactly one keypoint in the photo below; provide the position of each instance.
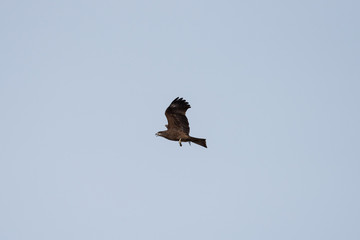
(178, 125)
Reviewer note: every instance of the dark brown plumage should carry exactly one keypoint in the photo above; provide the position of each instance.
(178, 125)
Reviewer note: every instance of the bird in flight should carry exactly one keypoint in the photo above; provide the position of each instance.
(178, 125)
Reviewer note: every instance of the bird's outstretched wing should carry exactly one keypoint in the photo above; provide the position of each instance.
(175, 115)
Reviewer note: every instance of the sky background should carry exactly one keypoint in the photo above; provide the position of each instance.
(273, 87)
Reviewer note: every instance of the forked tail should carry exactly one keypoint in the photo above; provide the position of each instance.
(200, 141)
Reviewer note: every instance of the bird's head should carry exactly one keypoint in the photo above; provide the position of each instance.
(158, 134)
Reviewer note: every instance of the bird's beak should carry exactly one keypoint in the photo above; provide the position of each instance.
(157, 134)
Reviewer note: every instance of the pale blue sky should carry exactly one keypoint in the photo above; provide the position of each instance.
(274, 87)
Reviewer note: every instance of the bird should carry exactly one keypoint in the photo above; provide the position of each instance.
(178, 125)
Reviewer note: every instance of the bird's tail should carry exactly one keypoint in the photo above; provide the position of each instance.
(200, 141)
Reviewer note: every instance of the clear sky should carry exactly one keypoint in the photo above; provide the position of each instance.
(273, 86)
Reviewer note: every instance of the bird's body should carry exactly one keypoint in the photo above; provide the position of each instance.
(178, 125)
